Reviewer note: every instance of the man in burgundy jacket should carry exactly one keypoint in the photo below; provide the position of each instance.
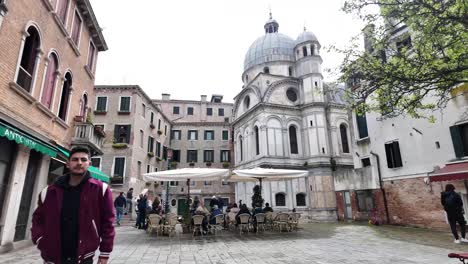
(74, 216)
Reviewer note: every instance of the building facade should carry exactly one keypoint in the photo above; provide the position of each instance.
(201, 137)
(137, 136)
(286, 116)
(402, 164)
(48, 58)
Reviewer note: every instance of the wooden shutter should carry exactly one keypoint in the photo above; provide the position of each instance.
(396, 154)
(129, 128)
(457, 141)
(388, 152)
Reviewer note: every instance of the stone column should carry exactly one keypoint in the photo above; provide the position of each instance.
(13, 198)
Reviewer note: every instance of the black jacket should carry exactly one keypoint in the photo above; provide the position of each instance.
(452, 202)
(120, 201)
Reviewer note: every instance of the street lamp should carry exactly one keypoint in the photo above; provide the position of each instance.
(169, 157)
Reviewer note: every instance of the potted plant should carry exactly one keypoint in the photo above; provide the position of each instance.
(150, 154)
(119, 145)
(160, 132)
(226, 164)
(89, 117)
(158, 159)
(174, 164)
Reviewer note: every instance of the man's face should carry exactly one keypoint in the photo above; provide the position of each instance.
(78, 163)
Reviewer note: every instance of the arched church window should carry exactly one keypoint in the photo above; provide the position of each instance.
(280, 199)
(293, 140)
(266, 70)
(344, 138)
(257, 145)
(300, 199)
(304, 51)
(247, 102)
(291, 94)
(290, 71)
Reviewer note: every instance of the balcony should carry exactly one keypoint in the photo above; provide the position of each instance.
(88, 136)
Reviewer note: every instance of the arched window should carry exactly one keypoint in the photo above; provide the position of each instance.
(280, 199)
(290, 71)
(312, 50)
(344, 138)
(50, 80)
(84, 106)
(293, 140)
(304, 50)
(257, 143)
(28, 59)
(173, 202)
(247, 102)
(65, 97)
(266, 70)
(300, 199)
(241, 147)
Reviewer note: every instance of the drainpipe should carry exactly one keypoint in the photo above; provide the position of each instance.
(381, 186)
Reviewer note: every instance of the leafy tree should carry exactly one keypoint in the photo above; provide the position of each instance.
(257, 200)
(415, 56)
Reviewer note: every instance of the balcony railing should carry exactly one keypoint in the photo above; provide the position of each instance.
(85, 134)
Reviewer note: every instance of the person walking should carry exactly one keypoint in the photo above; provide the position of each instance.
(74, 216)
(453, 206)
(142, 206)
(120, 203)
(128, 208)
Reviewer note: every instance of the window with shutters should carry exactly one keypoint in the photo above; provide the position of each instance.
(91, 56)
(209, 134)
(176, 134)
(192, 135)
(158, 149)
(165, 130)
(101, 104)
(225, 134)
(122, 133)
(152, 118)
(62, 10)
(209, 111)
(208, 156)
(361, 122)
(280, 199)
(118, 170)
(192, 156)
(392, 151)
(150, 144)
(225, 156)
(164, 155)
(124, 105)
(459, 135)
(189, 110)
(159, 124)
(76, 29)
(142, 138)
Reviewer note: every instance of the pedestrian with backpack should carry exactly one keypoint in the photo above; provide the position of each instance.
(453, 206)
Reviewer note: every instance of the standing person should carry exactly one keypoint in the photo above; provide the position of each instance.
(453, 205)
(129, 202)
(74, 216)
(120, 203)
(142, 205)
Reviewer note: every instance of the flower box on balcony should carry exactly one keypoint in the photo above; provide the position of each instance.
(120, 145)
(150, 154)
(226, 164)
(100, 112)
(160, 132)
(158, 159)
(152, 126)
(123, 112)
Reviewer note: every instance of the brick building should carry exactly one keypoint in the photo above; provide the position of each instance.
(48, 54)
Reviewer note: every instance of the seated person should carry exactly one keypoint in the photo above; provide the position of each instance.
(234, 208)
(243, 210)
(216, 211)
(156, 207)
(201, 210)
(267, 208)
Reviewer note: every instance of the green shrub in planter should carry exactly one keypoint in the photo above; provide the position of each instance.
(226, 164)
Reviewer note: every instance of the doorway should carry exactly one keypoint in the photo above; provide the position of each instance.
(348, 212)
(6, 158)
(182, 207)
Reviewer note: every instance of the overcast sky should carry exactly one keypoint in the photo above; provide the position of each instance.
(188, 48)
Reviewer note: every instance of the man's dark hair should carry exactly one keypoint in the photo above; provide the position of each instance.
(79, 150)
(449, 187)
(131, 189)
(121, 193)
(267, 204)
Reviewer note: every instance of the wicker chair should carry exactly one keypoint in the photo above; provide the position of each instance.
(198, 224)
(219, 225)
(154, 224)
(260, 220)
(244, 222)
(269, 219)
(169, 226)
(294, 221)
(281, 220)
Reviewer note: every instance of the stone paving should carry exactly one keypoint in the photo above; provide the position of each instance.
(315, 244)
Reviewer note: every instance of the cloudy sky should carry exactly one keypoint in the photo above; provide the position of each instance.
(188, 48)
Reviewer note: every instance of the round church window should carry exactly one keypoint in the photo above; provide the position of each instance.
(291, 94)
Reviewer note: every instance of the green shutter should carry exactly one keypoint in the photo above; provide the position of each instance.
(129, 130)
(455, 132)
(397, 154)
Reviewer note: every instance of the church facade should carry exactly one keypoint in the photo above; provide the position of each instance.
(287, 117)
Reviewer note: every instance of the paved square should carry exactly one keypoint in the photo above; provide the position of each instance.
(315, 243)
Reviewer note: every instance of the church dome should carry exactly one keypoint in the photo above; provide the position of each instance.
(270, 47)
(305, 36)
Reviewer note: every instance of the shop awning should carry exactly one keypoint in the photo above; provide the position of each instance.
(451, 172)
(95, 172)
(26, 140)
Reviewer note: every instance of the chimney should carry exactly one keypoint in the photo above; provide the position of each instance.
(203, 98)
(166, 97)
